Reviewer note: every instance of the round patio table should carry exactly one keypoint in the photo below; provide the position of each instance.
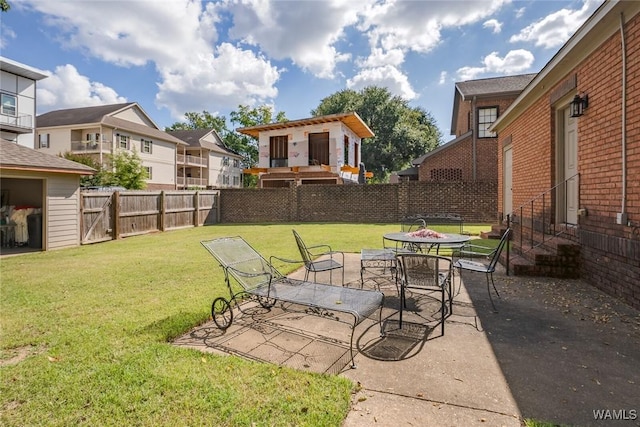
(449, 239)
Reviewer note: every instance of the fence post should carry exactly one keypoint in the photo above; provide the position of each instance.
(196, 210)
(163, 210)
(116, 215)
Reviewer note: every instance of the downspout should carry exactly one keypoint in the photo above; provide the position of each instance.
(474, 137)
(624, 121)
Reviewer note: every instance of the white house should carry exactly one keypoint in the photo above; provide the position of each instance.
(317, 150)
(18, 101)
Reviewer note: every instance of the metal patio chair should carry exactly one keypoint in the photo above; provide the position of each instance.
(310, 254)
(488, 266)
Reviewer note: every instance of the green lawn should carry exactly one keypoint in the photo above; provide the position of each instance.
(85, 332)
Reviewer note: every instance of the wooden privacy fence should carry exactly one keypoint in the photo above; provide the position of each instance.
(107, 216)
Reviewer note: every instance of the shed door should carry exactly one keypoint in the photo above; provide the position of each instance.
(319, 148)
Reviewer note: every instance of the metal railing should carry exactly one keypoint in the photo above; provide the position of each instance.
(103, 146)
(546, 214)
(191, 160)
(24, 121)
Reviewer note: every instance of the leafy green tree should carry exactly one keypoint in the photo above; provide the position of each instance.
(402, 133)
(128, 171)
(96, 179)
(4, 5)
(204, 120)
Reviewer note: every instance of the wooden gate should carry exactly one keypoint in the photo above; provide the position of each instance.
(107, 216)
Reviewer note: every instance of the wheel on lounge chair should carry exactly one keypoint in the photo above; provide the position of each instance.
(266, 302)
(221, 313)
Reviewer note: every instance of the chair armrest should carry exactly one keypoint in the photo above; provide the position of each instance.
(474, 251)
(288, 261)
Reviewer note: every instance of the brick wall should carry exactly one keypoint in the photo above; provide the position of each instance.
(374, 203)
(610, 252)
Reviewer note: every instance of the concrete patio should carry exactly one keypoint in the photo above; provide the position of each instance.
(557, 350)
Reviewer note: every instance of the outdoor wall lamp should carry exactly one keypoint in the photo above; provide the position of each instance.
(578, 105)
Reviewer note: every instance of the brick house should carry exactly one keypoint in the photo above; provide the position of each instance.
(317, 150)
(473, 154)
(569, 158)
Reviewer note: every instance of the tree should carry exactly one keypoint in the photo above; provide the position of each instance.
(402, 133)
(4, 5)
(96, 179)
(204, 120)
(127, 172)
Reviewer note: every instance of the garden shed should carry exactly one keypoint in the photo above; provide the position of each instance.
(40, 199)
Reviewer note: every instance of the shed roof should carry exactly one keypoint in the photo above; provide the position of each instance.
(17, 157)
(351, 120)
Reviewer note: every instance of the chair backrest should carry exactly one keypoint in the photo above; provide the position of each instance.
(304, 252)
(412, 224)
(496, 254)
(424, 270)
(242, 262)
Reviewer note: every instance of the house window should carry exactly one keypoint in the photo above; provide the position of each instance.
(43, 140)
(9, 105)
(346, 150)
(236, 163)
(123, 142)
(446, 174)
(278, 153)
(93, 137)
(236, 180)
(486, 116)
(146, 146)
(319, 148)
(149, 172)
(225, 161)
(225, 180)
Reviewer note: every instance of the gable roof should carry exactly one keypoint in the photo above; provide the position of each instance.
(194, 138)
(351, 120)
(77, 116)
(17, 157)
(102, 115)
(495, 87)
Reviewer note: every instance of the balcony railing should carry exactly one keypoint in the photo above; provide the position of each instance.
(91, 146)
(191, 160)
(22, 123)
(190, 182)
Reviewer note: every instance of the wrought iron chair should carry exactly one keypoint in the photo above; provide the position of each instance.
(311, 264)
(488, 254)
(430, 273)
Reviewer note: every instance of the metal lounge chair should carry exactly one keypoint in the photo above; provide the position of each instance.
(260, 280)
(310, 254)
(475, 251)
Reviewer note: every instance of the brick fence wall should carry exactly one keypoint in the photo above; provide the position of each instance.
(374, 203)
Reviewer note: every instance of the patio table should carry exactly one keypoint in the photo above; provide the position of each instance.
(449, 239)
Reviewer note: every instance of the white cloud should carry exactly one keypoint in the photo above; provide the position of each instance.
(494, 25)
(178, 37)
(229, 77)
(443, 78)
(379, 58)
(66, 88)
(514, 62)
(555, 29)
(304, 31)
(387, 76)
(417, 25)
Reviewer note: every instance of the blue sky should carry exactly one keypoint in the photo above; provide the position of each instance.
(177, 56)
